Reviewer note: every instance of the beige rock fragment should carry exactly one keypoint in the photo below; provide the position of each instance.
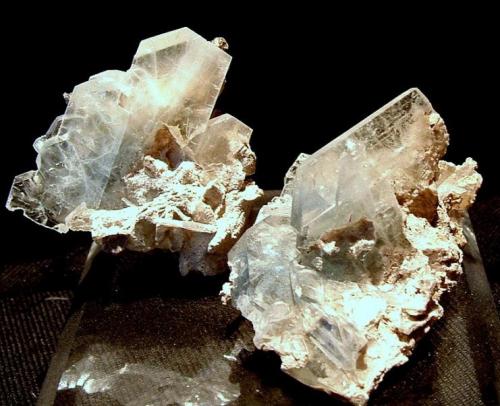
(138, 160)
(342, 274)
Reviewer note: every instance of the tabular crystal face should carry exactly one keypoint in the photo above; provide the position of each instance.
(359, 175)
(221, 141)
(111, 121)
(343, 269)
(139, 162)
(183, 75)
(352, 176)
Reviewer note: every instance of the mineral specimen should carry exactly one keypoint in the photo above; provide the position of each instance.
(137, 160)
(344, 271)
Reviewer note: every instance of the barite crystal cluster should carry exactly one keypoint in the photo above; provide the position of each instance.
(138, 161)
(344, 271)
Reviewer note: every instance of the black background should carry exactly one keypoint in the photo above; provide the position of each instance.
(300, 76)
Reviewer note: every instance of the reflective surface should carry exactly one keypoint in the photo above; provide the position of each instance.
(144, 335)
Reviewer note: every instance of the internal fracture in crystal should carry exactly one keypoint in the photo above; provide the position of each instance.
(137, 154)
(342, 270)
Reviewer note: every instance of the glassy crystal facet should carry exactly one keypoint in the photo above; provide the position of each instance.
(111, 120)
(343, 270)
(138, 161)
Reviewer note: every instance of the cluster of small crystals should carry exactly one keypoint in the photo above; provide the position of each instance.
(137, 154)
(351, 259)
(174, 80)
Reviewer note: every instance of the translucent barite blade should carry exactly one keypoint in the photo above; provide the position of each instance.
(221, 141)
(352, 177)
(184, 74)
(111, 122)
(344, 271)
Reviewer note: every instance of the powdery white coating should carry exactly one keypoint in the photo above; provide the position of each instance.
(137, 160)
(342, 285)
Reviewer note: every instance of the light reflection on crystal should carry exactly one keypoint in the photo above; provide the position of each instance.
(340, 271)
(111, 120)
